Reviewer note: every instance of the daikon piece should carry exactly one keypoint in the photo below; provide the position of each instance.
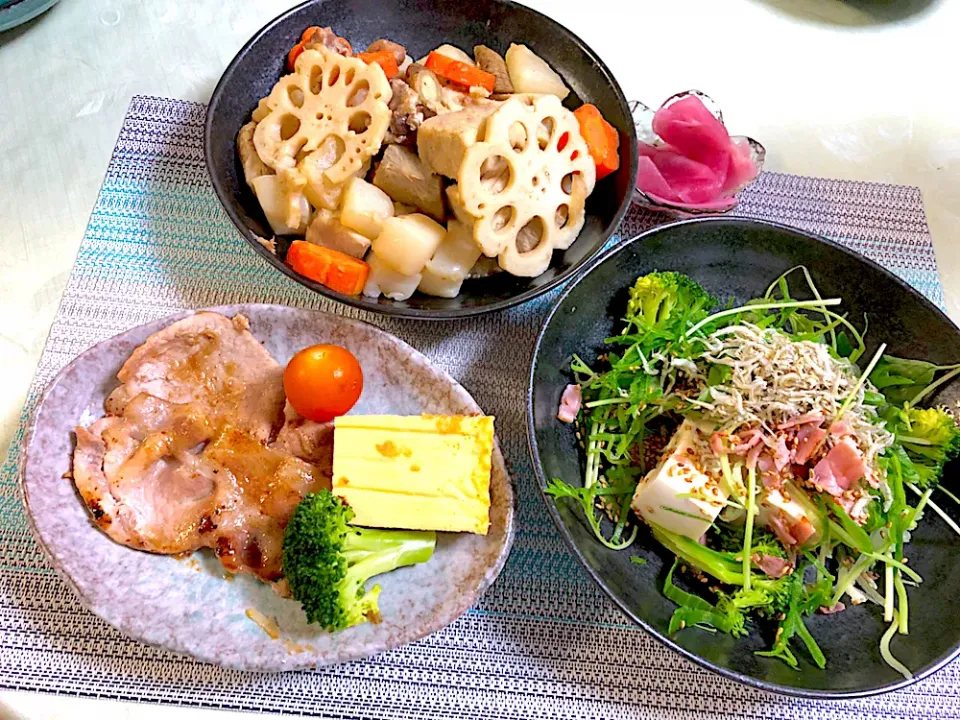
(278, 205)
(384, 280)
(445, 272)
(407, 242)
(445, 286)
(452, 52)
(327, 231)
(365, 207)
(531, 74)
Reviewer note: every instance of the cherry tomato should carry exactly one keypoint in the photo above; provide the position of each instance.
(323, 382)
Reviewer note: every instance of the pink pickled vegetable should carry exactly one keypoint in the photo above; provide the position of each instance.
(692, 181)
(742, 169)
(650, 179)
(695, 132)
(694, 165)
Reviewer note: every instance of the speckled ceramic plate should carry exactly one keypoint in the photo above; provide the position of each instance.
(187, 605)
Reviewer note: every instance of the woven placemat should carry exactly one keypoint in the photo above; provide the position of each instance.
(544, 642)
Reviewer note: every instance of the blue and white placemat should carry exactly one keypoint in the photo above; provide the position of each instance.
(544, 642)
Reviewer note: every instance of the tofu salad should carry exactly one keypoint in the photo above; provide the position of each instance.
(782, 476)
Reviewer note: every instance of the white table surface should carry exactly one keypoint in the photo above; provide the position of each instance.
(832, 89)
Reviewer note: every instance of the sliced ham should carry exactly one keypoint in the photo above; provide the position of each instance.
(717, 443)
(748, 440)
(839, 607)
(778, 524)
(805, 419)
(781, 457)
(802, 531)
(840, 429)
(840, 469)
(570, 403)
(809, 438)
(790, 533)
(769, 475)
(775, 567)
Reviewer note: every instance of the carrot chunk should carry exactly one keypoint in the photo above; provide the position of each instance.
(336, 270)
(459, 72)
(603, 140)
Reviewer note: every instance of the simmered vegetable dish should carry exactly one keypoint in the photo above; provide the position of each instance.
(403, 176)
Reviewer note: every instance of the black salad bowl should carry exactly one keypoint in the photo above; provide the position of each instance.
(737, 259)
(420, 26)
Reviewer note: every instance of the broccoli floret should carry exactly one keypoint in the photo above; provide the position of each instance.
(662, 299)
(327, 561)
(931, 438)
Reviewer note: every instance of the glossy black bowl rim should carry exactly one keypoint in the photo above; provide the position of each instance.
(558, 521)
(394, 309)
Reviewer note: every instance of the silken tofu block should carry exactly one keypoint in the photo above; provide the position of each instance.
(443, 140)
(420, 472)
(677, 494)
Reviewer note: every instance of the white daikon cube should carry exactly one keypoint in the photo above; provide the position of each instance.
(445, 271)
(279, 206)
(384, 280)
(365, 207)
(406, 243)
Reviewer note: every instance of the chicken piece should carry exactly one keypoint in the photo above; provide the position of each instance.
(399, 52)
(327, 38)
(253, 166)
(490, 61)
(327, 231)
(406, 179)
(408, 114)
(209, 359)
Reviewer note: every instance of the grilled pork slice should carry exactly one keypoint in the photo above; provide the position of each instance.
(165, 480)
(181, 462)
(306, 439)
(207, 359)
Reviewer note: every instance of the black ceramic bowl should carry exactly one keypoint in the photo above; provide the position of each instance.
(420, 26)
(737, 259)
